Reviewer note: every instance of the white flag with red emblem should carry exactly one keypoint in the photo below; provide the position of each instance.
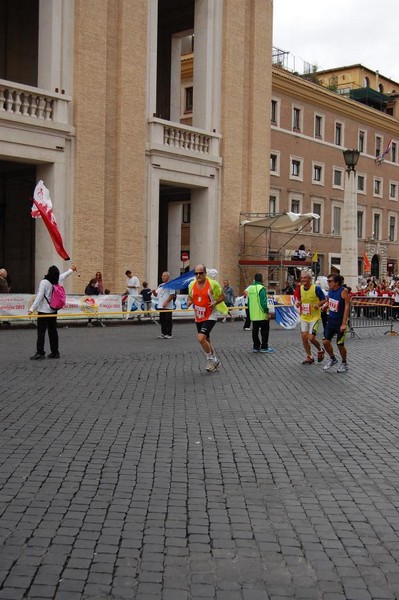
(42, 207)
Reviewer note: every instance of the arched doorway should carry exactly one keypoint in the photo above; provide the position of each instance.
(375, 266)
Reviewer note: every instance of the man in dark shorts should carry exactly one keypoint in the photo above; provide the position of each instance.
(337, 321)
(205, 294)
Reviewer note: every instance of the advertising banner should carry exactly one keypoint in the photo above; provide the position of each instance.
(15, 304)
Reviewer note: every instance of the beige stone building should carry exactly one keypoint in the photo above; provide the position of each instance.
(91, 102)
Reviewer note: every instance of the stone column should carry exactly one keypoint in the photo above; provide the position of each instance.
(175, 216)
(349, 243)
(152, 45)
(207, 64)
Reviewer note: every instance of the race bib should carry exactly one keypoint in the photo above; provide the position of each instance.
(333, 305)
(199, 312)
(306, 309)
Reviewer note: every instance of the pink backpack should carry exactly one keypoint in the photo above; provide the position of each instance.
(58, 297)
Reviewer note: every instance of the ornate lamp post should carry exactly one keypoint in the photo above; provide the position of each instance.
(349, 246)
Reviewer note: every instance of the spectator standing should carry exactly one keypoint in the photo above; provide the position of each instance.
(47, 322)
(132, 285)
(99, 282)
(146, 294)
(228, 297)
(396, 300)
(92, 289)
(259, 315)
(166, 297)
(4, 287)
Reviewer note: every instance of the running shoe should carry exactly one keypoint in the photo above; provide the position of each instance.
(212, 364)
(255, 349)
(320, 355)
(333, 361)
(162, 336)
(267, 350)
(308, 360)
(343, 368)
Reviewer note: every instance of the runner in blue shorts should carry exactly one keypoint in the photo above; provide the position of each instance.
(338, 304)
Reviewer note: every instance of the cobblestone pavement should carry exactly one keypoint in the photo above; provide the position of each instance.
(128, 472)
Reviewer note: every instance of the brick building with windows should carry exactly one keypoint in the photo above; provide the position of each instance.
(311, 125)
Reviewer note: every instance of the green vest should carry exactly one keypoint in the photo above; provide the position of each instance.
(256, 312)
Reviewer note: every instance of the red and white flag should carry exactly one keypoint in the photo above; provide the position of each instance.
(42, 207)
(366, 263)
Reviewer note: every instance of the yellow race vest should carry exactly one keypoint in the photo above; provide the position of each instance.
(308, 300)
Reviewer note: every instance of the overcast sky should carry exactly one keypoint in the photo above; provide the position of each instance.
(334, 33)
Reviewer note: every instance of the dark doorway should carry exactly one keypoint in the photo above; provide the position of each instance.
(173, 16)
(169, 194)
(19, 26)
(17, 228)
(375, 266)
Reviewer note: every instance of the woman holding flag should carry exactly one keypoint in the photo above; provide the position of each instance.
(43, 208)
(47, 320)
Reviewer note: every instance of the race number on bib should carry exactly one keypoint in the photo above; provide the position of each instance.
(333, 305)
(199, 312)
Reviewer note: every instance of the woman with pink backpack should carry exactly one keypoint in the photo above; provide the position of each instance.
(50, 298)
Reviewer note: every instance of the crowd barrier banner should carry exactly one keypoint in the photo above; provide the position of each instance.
(17, 305)
(111, 306)
(369, 311)
(135, 305)
(93, 306)
(13, 305)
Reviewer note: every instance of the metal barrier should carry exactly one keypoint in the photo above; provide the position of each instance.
(368, 311)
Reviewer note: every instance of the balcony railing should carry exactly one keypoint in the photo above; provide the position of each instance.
(26, 103)
(180, 139)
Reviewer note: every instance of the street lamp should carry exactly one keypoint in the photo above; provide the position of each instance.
(349, 246)
(351, 157)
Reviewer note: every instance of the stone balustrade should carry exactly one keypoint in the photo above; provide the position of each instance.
(22, 101)
(165, 135)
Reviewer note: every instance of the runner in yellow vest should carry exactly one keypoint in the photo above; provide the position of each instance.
(311, 298)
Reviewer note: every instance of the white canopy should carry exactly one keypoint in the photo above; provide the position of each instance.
(284, 222)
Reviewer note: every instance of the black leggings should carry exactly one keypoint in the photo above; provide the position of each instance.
(43, 324)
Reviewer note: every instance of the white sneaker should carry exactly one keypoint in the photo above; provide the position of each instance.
(162, 336)
(214, 363)
(167, 337)
(330, 363)
(343, 368)
(209, 364)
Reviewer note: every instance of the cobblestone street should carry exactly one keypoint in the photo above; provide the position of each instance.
(129, 472)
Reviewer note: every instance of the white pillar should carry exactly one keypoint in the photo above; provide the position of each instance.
(175, 79)
(207, 64)
(152, 226)
(175, 215)
(204, 228)
(50, 44)
(349, 243)
(152, 48)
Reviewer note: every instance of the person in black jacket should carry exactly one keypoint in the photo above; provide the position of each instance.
(91, 289)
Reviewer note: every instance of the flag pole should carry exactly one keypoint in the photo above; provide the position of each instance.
(77, 272)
